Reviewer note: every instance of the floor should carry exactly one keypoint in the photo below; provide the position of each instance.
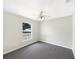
(40, 50)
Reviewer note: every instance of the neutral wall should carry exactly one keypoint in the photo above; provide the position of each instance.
(57, 31)
(13, 37)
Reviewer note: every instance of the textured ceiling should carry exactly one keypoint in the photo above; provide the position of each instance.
(32, 8)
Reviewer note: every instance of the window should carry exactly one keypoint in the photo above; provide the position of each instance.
(26, 30)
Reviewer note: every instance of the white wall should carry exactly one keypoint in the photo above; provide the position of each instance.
(13, 37)
(57, 31)
(73, 41)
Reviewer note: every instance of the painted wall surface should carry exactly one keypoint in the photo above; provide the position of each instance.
(73, 41)
(13, 37)
(57, 31)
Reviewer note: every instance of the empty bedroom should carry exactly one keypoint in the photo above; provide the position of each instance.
(38, 29)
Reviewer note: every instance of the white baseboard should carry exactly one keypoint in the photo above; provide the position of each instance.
(29, 44)
(18, 47)
(8, 51)
(57, 45)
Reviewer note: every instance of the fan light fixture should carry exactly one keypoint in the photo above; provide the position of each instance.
(42, 16)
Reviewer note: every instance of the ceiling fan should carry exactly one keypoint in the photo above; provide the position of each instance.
(43, 16)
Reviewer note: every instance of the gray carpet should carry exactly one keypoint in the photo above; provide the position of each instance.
(40, 50)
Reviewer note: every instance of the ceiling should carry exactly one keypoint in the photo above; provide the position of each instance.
(32, 8)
